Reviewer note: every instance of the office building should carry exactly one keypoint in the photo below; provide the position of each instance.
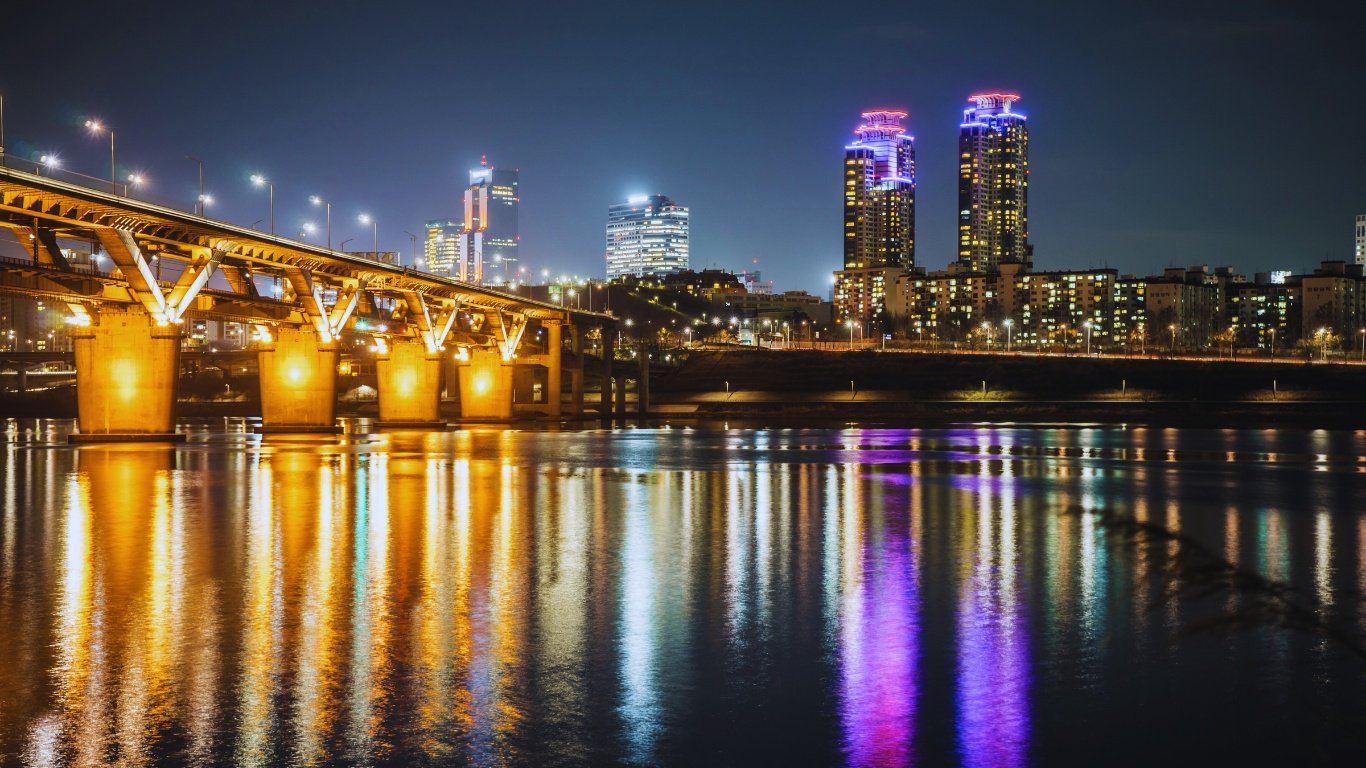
(1361, 239)
(489, 235)
(879, 215)
(442, 246)
(647, 236)
(993, 184)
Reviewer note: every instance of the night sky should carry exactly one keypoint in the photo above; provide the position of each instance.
(1162, 133)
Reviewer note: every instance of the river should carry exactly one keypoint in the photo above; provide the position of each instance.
(989, 595)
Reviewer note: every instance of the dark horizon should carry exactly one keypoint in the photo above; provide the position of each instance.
(1161, 136)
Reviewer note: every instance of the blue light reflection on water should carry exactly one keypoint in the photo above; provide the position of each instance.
(871, 597)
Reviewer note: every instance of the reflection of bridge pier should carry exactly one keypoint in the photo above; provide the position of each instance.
(308, 307)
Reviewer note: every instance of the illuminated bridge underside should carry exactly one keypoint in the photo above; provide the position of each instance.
(303, 300)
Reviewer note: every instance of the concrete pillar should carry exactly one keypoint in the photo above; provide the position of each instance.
(298, 382)
(409, 385)
(621, 395)
(554, 346)
(486, 386)
(126, 372)
(643, 383)
(576, 371)
(605, 400)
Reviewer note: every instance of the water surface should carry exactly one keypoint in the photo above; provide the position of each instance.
(678, 597)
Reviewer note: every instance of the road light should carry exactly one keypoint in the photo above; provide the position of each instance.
(1172, 328)
(199, 201)
(850, 323)
(51, 162)
(413, 239)
(96, 128)
(1009, 324)
(1362, 334)
(204, 202)
(262, 181)
(307, 229)
(135, 179)
(366, 218)
(1087, 326)
(319, 201)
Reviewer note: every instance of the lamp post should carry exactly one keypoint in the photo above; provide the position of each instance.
(1362, 334)
(135, 179)
(413, 239)
(198, 201)
(366, 218)
(1273, 343)
(850, 323)
(319, 201)
(1008, 324)
(96, 128)
(1087, 326)
(262, 181)
(1172, 328)
(49, 162)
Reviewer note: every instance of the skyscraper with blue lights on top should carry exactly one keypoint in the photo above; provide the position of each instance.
(993, 184)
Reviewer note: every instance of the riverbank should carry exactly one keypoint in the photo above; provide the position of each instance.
(927, 388)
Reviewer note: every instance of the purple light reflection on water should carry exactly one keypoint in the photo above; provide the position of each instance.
(993, 651)
(879, 654)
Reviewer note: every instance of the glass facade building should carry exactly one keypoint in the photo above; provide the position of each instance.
(993, 184)
(443, 245)
(489, 232)
(646, 236)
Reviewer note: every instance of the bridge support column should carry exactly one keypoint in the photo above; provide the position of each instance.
(298, 382)
(576, 372)
(554, 359)
(643, 383)
(605, 399)
(126, 372)
(409, 385)
(486, 386)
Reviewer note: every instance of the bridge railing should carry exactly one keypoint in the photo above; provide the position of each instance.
(122, 188)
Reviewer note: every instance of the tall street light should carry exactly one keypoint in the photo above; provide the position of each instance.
(198, 201)
(136, 179)
(1087, 326)
(96, 128)
(366, 218)
(319, 201)
(262, 181)
(1008, 324)
(413, 238)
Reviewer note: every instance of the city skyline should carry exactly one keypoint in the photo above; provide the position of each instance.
(1148, 79)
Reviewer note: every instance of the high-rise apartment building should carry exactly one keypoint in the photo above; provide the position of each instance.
(646, 236)
(489, 232)
(993, 184)
(1361, 239)
(879, 214)
(442, 246)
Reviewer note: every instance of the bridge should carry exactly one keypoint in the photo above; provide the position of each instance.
(305, 305)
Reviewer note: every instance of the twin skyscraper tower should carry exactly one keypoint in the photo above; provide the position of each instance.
(879, 200)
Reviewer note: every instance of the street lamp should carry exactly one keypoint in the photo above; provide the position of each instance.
(136, 179)
(1172, 328)
(199, 201)
(1008, 324)
(262, 181)
(50, 162)
(850, 323)
(413, 239)
(1087, 326)
(307, 229)
(1273, 343)
(319, 201)
(366, 218)
(1362, 334)
(96, 128)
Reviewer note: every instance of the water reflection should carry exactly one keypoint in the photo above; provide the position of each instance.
(878, 598)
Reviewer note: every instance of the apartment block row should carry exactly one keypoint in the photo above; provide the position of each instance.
(1183, 308)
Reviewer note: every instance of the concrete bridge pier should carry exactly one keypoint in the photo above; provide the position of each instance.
(409, 385)
(554, 347)
(127, 366)
(576, 372)
(486, 383)
(298, 382)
